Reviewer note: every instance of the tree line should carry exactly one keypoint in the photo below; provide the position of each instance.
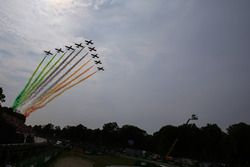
(208, 143)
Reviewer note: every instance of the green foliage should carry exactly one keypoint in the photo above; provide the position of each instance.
(208, 143)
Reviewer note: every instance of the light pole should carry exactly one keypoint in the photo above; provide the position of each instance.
(193, 117)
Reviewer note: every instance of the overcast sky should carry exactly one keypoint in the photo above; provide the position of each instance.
(164, 60)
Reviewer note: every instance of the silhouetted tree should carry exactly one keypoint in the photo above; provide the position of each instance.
(48, 130)
(2, 96)
(189, 141)
(239, 135)
(94, 137)
(132, 136)
(110, 134)
(164, 138)
(38, 130)
(211, 143)
(110, 127)
(208, 143)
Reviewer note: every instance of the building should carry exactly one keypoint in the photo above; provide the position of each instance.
(12, 127)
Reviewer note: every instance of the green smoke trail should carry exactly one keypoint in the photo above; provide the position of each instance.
(61, 77)
(39, 82)
(50, 77)
(35, 107)
(17, 100)
(60, 70)
(31, 87)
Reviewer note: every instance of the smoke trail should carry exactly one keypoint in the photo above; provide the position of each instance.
(55, 75)
(34, 108)
(31, 87)
(47, 80)
(17, 100)
(46, 73)
(60, 86)
(35, 85)
(59, 79)
(69, 77)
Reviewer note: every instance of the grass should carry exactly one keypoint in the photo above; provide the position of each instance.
(52, 162)
(106, 160)
(98, 160)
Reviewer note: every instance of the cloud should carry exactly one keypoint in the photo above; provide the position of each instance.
(164, 60)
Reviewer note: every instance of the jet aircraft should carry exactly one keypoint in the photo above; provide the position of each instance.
(100, 68)
(89, 42)
(94, 56)
(59, 50)
(98, 62)
(47, 52)
(92, 49)
(69, 48)
(79, 45)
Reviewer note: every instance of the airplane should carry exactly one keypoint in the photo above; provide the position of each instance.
(48, 52)
(94, 56)
(59, 50)
(92, 49)
(69, 48)
(89, 42)
(79, 45)
(98, 62)
(100, 68)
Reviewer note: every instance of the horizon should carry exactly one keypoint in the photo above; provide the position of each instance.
(120, 126)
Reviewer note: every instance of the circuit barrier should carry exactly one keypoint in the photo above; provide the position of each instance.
(27, 155)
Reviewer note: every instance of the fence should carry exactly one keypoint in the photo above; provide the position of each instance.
(27, 155)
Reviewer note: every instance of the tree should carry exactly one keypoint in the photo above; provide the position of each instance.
(110, 127)
(164, 138)
(2, 96)
(211, 142)
(239, 135)
(132, 136)
(110, 134)
(48, 130)
(188, 141)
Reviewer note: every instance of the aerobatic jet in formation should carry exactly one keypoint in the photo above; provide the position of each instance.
(69, 48)
(59, 50)
(79, 45)
(100, 68)
(89, 42)
(94, 56)
(98, 62)
(92, 49)
(47, 52)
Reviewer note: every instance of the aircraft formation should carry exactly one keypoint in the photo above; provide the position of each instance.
(56, 73)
